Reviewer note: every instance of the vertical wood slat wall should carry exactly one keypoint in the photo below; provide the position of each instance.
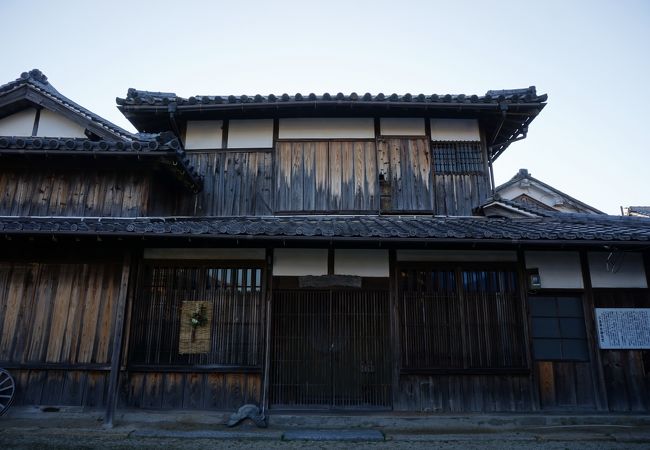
(310, 176)
(73, 192)
(626, 372)
(326, 176)
(57, 324)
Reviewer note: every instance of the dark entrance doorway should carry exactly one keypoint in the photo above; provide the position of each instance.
(331, 349)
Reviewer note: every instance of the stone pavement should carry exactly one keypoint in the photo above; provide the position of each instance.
(26, 428)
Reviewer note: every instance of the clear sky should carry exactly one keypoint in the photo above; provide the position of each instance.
(591, 57)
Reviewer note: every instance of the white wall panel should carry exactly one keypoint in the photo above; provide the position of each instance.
(402, 126)
(456, 255)
(363, 263)
(250, 133)
(203, 134)
(205, 253)
(455, 130)
(309, 128)
(299, 262)
(557, 270)
(627, 270)
(18, 124)
(52, 124)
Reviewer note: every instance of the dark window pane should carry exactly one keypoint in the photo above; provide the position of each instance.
(547, 349)
(543, 306)
(546, 328)
(575, 349)
(569, 306)
(572, 328)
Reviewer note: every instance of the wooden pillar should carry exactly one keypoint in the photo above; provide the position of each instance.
(533, 379)
(118, 333)
(394, 326)
(268, 293)
(590, 323)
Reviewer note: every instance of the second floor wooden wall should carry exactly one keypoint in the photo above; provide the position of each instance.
(362, 176)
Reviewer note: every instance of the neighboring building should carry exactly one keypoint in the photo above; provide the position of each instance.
(637, 211)
(305, 252)
(523, 195)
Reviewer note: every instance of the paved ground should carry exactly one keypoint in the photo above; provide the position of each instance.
(29, 428)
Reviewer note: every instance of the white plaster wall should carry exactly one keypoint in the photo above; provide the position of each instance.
(455, 130)
(363, 263)
(541, 195)
(205, 253)
(309, 128)
(456, 255)
(203, 134)
(299, 262)
(397, 126)
(250, 133)
(52, 124)
(18, 124)
(629, 272)
(557, 270)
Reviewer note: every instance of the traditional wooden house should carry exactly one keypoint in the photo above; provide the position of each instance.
(525, 194)
(304, 252)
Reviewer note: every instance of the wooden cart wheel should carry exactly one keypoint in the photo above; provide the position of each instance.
(7, 389)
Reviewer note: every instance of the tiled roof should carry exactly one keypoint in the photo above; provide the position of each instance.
(523, 174)
(576, 228)
(138, 97)
(520, 206)
(164, 148)
(36, 80)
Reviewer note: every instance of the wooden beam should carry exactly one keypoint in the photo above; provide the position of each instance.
(118, 332)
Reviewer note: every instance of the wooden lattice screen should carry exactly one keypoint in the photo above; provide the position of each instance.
(461, 319)
(161, 328)
(457, 157)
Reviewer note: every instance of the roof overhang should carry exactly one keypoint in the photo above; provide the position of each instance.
(320, 230)
(504, 115)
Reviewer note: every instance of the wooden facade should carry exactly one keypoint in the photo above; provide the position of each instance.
(93, 320)
(383, 175)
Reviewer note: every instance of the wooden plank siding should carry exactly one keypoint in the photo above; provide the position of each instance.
(459, 194)
(626, 372)
(457, 393)
(235, 184)
(57, 324)
(326, 176)
(73, 192)
(406, 168)
(190, 390)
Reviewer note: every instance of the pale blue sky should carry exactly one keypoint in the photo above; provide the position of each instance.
(591, 57)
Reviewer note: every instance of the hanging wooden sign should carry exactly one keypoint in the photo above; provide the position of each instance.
(196, 327)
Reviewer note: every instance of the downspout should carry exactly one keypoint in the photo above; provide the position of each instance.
(171, 108)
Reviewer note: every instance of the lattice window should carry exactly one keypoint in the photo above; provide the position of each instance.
(558, 328)
(457, 157)
(461, 319)
(225, 303)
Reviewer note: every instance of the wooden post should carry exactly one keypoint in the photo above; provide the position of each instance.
(268, 291)
(590, 323)
(118, 333)
(533, 379)
(394, 327)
